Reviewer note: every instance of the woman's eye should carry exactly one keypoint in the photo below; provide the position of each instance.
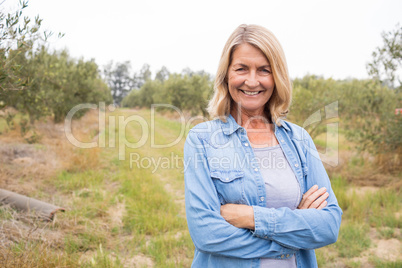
(239, 69)
(266, 71)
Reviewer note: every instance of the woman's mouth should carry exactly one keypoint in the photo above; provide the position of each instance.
(250, 93)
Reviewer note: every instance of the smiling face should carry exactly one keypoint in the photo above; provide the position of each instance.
(250, 79)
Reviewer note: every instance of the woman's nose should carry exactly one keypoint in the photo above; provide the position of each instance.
(252, 81)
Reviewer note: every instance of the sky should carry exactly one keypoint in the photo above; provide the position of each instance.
(328, 38)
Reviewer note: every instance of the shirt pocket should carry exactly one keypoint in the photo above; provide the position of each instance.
(229, 185)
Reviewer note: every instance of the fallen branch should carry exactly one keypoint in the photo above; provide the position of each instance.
(24, 203)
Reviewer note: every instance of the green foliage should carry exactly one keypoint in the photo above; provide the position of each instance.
(17, 36)
(311, 95)
(365, 109)
(38, 82)
(68, 82)
(387, 60)
(188, 92)
(24, 127)
(58, 83)
(368, 112)
(10, 120)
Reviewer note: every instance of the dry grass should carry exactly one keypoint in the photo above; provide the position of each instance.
(27, 241)
(36, 163)
(362, 169)
(27, 169)
(95, 230)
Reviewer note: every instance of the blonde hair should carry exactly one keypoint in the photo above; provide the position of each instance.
(277, 107)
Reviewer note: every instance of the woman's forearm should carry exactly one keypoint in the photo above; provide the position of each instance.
(242, 216)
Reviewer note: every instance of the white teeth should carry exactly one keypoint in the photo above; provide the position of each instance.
(250, 93)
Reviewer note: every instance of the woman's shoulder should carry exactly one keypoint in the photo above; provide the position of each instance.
(294, 131)
(207, 130)
(207, 126)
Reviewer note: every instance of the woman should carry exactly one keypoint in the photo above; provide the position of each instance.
(257, 194)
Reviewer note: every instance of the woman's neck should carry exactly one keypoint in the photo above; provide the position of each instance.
(250, 119)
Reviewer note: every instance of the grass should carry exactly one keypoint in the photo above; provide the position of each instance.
(67, 181)
(150, 209)
(378, 263)
(387, 233)
(378, 209)
(352, 240)
(119, 214)
(35, 254)
(369, 215)
(94, 181)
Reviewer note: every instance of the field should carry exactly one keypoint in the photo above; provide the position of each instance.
(130, 213)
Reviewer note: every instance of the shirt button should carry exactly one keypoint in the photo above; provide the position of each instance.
(282, 140)
(296, 165)
(256, 169)
(287, 256)
(246, 144)
(227, 179)
(282, 256)
(262, 198)
(265, 237)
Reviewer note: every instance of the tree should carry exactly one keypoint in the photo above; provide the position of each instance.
(367, 111)
(38, 82)
(119, 80)
(20, 40)
(18, 35)
(144, 75)
(58, 83)
(312, 96)
(190, 93)
(387, 60)
(162, 74)
(69, 82)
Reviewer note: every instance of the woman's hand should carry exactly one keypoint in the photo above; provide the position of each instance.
(240, 216)
(314, 198)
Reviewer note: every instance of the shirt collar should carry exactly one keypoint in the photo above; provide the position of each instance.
(230, 126)
(284, 124)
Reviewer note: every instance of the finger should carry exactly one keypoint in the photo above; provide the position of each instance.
(323, 205)
(311, 190)
(319, 201)
(307, 194)
(314, 196)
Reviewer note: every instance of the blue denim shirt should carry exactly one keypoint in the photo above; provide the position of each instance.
(220, 168)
